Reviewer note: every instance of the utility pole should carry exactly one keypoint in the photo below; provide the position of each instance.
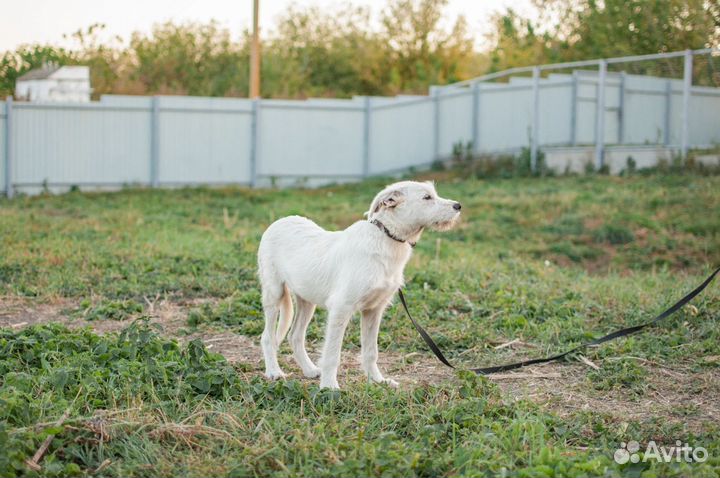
(255, 54)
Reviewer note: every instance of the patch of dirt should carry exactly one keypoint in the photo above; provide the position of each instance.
(675, 394)
(234, 347)
(16, 312)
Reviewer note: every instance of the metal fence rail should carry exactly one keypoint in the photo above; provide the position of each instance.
(573, 113)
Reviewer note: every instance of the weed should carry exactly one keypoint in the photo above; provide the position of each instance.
(626, 374)
(242, 312)
(110, 310)
(437, 165)
(630, 167)
(613, 234)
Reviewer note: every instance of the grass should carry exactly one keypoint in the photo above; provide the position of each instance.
(551, 261)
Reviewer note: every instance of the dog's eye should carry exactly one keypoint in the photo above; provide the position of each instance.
(427, 197)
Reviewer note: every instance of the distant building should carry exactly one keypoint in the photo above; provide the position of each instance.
(54, 83)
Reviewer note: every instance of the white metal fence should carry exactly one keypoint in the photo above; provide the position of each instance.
(590, 107)
(583, 103)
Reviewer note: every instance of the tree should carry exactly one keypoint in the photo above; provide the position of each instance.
(323, 53)
(635, 27)
(189, 59)
(419, 52)
(587, 29)
(342, 52)
(518, 43)
(106, 61)
(28, 57)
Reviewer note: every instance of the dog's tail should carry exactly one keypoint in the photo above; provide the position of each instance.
(286, 316)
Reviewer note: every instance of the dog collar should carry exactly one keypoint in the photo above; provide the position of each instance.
(389, 234)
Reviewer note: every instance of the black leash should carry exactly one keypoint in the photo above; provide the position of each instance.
(614, 335)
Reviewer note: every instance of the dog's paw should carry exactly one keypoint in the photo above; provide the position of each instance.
(390, 382)
(385, 381)
(312, 372)
(330, 384)
(275, 375)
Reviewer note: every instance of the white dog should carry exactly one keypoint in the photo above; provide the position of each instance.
(358, 269)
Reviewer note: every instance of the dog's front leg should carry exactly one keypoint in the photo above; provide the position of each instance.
(338, 319)
(369, 329)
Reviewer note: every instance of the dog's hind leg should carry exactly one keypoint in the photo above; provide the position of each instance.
(369, 327)
(303, 316)
(272, 295)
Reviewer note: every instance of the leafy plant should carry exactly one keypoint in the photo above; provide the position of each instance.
(110, 310)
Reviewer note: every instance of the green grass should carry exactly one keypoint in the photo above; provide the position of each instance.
(551, 261)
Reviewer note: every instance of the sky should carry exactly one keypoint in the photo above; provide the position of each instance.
(45, 21)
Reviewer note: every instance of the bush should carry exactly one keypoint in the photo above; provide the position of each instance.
(498, 166)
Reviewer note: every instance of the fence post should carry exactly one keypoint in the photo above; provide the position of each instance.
(687, 84)
(9, 192)
(366, 137)
(476, 118)
(155, 142)
(621, 110)
(254, 141)
(668, 108)
(534, 140)
(435, 93)
(573, 109)
(600, 116)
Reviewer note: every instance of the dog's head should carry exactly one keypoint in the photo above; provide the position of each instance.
(412, 206)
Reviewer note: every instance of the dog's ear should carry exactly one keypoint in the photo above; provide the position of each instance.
(391, 199)
(388, 200)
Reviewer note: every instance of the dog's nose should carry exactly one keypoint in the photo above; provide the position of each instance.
(457, 206)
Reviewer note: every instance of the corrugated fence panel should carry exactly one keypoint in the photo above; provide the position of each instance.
(306, 141)
(676, 117)
(704, 120)
(126, 101)
(505, 117)
(612, 110)
(401, 136)
(204, 140)
(586, 110)
(73, 144)
(455, 120)
(645, 108)
(3, 128)
(555, 111)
